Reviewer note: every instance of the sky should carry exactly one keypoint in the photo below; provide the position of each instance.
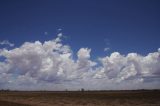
(74, 44)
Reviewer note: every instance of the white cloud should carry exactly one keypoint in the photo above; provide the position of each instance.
(122, 67)
(50, 66)
(6, 42)
(84, 53)
(106, 49)
(58, 39)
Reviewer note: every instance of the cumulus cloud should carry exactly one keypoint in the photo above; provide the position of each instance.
(6, 42)
(133, 65)
(84, 53)
(50, 66)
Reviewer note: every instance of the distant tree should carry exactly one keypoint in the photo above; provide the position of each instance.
(82, 89)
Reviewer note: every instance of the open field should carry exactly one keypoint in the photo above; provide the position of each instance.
(77, 98)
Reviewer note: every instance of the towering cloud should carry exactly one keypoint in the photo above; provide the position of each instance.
(50, 66)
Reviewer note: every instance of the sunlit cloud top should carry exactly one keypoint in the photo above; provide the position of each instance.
(50, 66)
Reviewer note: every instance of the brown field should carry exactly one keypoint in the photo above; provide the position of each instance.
(77, 98)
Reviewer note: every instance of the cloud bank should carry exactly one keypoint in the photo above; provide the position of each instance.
(50, 65)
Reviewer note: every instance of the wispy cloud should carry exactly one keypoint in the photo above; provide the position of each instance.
(59, 29)
(45, 33)
(6, 42)
(107, 42)
(106, 49)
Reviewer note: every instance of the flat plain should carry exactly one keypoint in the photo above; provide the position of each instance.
(80, 98)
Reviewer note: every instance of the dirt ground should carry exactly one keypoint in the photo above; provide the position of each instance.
(77, 98)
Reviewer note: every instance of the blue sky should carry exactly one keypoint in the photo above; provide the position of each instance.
(107, 41)
(128, 25)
